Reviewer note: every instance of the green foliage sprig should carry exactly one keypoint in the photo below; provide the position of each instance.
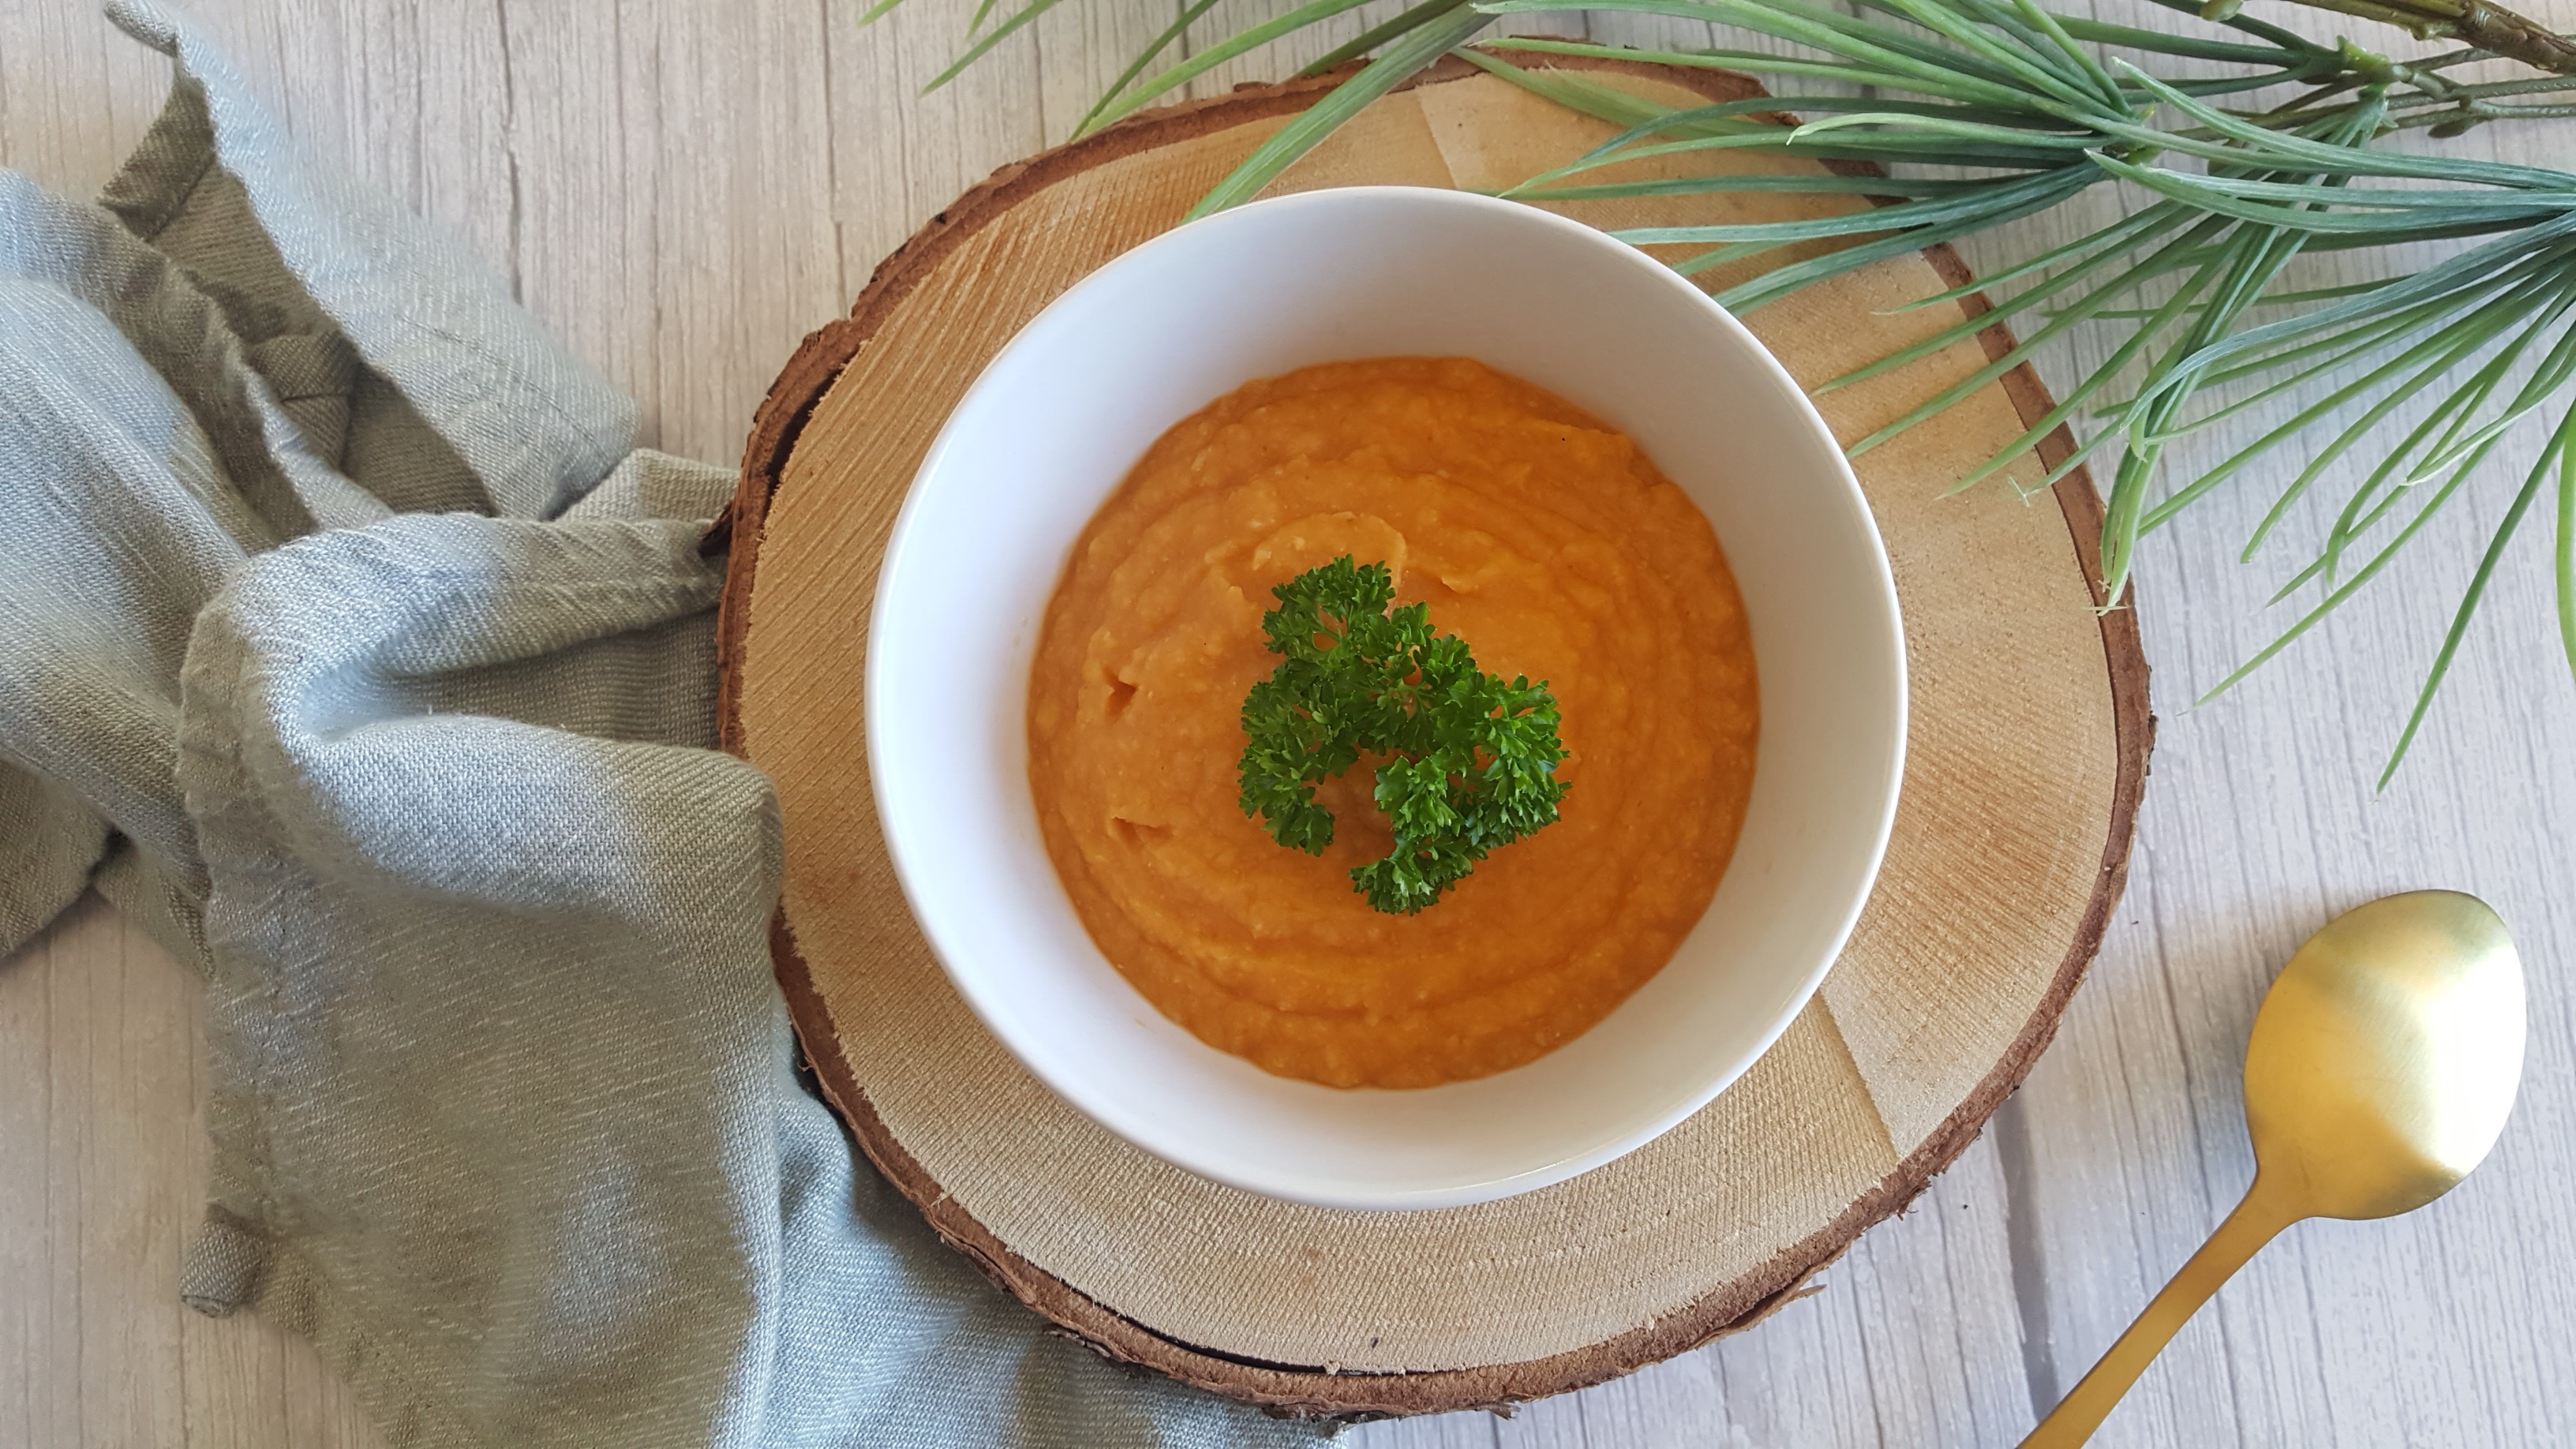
(1984, 113)
(1474, 758)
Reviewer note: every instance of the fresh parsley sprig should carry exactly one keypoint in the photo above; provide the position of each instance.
(1475, 758)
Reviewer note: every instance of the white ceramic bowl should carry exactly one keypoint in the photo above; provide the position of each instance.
(1052, 427)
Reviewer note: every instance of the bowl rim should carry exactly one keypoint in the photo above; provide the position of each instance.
(1287, 1185)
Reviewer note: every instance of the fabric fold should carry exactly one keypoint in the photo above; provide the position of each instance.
(217, 183)
(347, 643)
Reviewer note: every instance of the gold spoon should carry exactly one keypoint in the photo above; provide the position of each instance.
(2380, 1071)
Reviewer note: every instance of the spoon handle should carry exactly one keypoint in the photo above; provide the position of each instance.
(2256, 1221)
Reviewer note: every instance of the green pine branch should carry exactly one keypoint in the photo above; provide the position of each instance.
(1983, 113)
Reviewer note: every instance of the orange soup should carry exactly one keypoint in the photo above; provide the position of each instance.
(1556, 550)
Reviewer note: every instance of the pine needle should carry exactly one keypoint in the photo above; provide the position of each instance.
(1981, 113)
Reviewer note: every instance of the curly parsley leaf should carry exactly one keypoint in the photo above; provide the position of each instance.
(1474, 758)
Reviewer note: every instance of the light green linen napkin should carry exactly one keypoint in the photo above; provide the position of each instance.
(346, 643)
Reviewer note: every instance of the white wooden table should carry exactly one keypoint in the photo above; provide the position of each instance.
(682, 188)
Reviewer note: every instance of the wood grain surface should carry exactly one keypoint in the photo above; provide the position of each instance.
(683, 188)
(2021, 903)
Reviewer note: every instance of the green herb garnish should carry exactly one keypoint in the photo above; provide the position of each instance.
(1475, 758)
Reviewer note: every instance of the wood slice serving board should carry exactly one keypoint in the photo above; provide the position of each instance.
(2027, 752)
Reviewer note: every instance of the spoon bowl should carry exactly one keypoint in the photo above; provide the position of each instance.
(2380, 1071)
(2384, 1061)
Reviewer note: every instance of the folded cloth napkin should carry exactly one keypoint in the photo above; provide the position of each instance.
(345, 643)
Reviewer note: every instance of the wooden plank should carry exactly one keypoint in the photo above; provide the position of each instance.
(101, 1124)
(74, 95)
(674, 221)
(1897, 1349)
(2261, 822)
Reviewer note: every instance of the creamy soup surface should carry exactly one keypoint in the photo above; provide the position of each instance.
(1556, 550)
